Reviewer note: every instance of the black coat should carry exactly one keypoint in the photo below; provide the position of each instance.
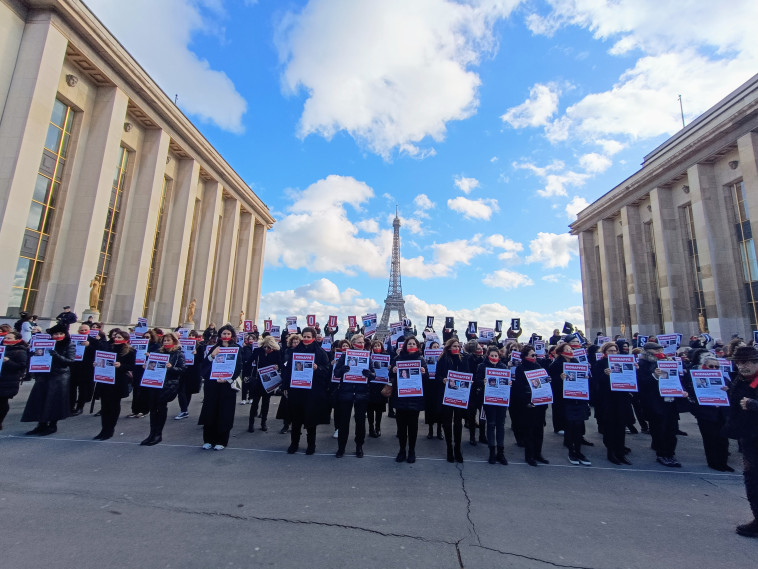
(481, 370)
(352, 391)
(49, 398)
(573, 409)
(314, 401)
(174, 375)
(616, 406)
(742, 423)
(262, 359)
(219, 399)
(445, 364)
(409, 403)
(124, 376)
(14, 369)
(521, 396)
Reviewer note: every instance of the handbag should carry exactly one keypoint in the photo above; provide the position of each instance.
(387, 390)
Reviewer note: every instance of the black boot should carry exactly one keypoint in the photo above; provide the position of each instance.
(431, 432)
(450, 456)
(378, 425)
(612, 457)
(492, 455)
(440, 436)
(52, 427)
(311, 438)
(38, 429)
(294, 443)
(483, 432)
(501, 456)
(457, 453)
(264, 428)
(472, 437)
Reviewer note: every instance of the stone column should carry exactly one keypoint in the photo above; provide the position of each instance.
(256, 271)
(75, 257)
(224, 270)
(611, 278)
(25, 120)
(678, 314)
(720, 263)
(639, 286)
(205, 250)
(243, 255)
(592, 287)
(128, 281)
(173, 267)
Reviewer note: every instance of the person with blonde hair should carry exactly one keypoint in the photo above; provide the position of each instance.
(160, 398)
(268, 353)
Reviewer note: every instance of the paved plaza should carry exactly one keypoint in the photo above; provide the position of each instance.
(69, 502)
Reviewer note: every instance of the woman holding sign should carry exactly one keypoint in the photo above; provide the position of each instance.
(408, 396)
(531, 417)
(160, 398)
(450, 417)
(15, 358)
(377, 403)
(48, 401)
(307, 391)
(615, 406)
(112, 394)
(267, 354)
(220, 399)
(353, 392)
(575, 411)
(495, 413)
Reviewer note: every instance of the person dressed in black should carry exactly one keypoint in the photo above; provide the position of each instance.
(112, 394)
(531, 417)
(48, 401)
(267, 354)
(82, 385)
(615, 407)
(495, 413)
(377, 403)
(451, 417)
(575, 411)
(308, 407)
(15, 362)
(67, 317)
(160, 398)
(190, 382)
(248, 370)
(476, 397)
(743, 426)
(141, 395)
(407, 409)
(352, 395)
(220, 397)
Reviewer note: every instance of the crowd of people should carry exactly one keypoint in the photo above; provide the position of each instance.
(266, 366)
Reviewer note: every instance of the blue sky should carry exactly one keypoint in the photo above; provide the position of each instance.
(489, 123)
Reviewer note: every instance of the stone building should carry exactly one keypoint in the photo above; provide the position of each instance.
(671, 248)
(108, 194)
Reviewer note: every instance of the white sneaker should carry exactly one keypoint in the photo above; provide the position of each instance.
(207, 446)
(561, 433)
(182, 415)
(336, 434)
(218, 447)
(243, 402)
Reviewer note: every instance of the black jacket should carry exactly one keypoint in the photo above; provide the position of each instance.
(409, 403)
(314, 402)
(352, 391)
(14, 369)
(742, 423)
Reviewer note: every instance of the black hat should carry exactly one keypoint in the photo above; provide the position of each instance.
(66, 307)
(745, 354)
(58, 328)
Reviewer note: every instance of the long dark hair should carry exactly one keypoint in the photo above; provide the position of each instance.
(231, 329)
(404, 350)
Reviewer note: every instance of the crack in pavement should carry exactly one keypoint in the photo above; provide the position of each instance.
(472, 526)
(530, 558)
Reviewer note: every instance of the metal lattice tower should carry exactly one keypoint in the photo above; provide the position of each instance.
(394, 300)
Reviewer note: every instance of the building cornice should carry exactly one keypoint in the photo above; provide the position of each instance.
(99, 45)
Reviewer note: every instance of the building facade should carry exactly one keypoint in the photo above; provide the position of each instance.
(671, 248)
(110, 198)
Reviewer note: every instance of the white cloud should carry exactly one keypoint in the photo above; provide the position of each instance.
(555, 177)
(466, 185)
(594, 163)
(159, 36)
(507, 279)
(609, 146)
(536, 110)
(552, 278)
(493, 159)
(423, 205)
(405, 73)
(445, 256)
(474, 209)
(317, 234)
(511, 248)
(368, 226)
(576, 205)
(553, 250)
(323, 298)
(576, 287)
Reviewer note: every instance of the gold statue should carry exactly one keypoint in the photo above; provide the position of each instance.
(191, 311)
(701, 323)
(242, 319)
(623, 329)
(94, 293)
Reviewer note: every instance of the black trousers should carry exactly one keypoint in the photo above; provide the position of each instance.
(344, 411)
(247, 388)
(374, 418)
(141, 399)
(559, 415)
(158, 414)
(573, 436)
(495, 424)
(639, 412)
(452, 424)
(297, 416)
(110, 409)
(750, 472)
(716, 445)
(663, 428)
(214, 436)
(614, 433)
(407, 428)
(533, 430)
(264, 400)
(80, 388)
(184, 400)
(4, 407)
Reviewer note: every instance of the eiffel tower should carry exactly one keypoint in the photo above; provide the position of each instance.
(394, 300)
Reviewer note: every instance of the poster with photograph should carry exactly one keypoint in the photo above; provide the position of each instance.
(623, 372)
(710, 387)
(576, 384)
(326, 344)
(78, 340)
(600, 340)
(497, 386)
(270, 378)
(292, 324)
(581, 355)
(516, 358)
(539, 383)
(457, 389)
(224, 364)
(670, 343)
(302, 371)
(486, 335)
(183, 333)
(369, 325)
(357, 360)
(539, 348)
(432, 356)
(276, 333)
(141, 327)
(105, 370)
(430, 338)
(140, 350)
(726, 368)
(2, 355)
(155, 370)
(409, 379)
(337, 355)
(40, 360)
(188, 348)
(381, 365)
(669, 384)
